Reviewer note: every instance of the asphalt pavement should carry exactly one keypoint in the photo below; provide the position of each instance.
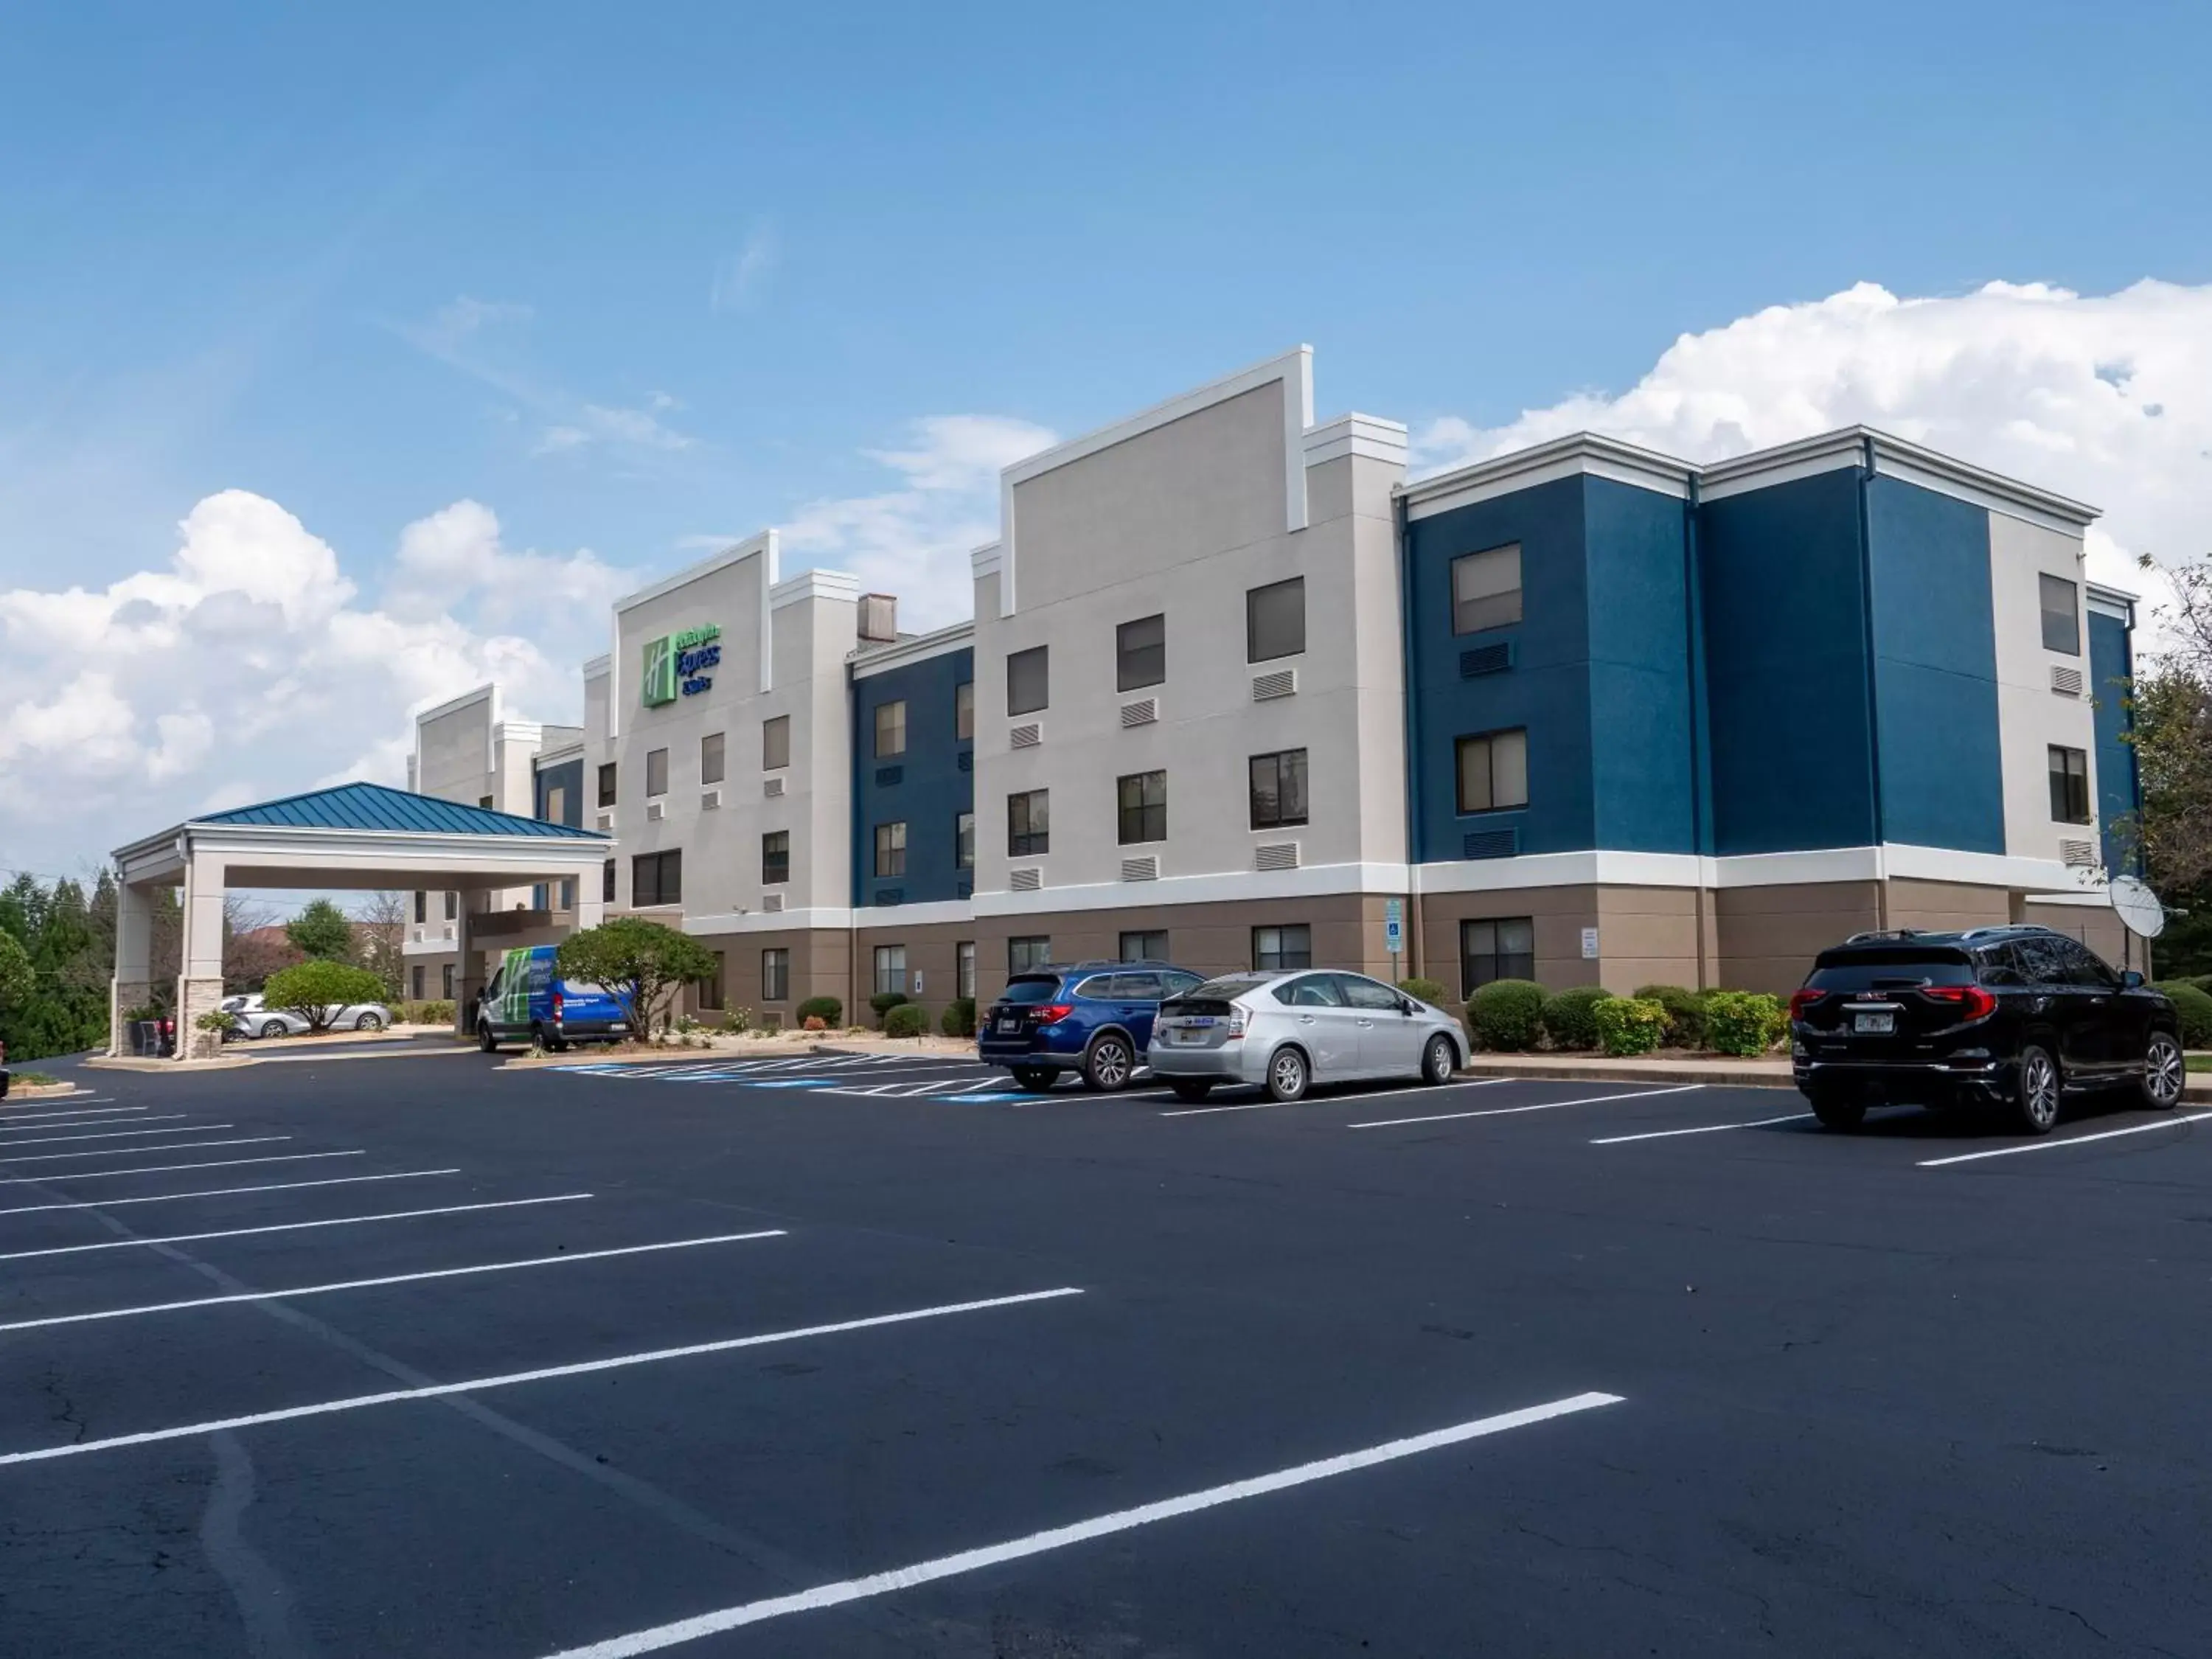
(878, 1356)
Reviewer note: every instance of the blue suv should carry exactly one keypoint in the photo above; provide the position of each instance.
(1094, 1018)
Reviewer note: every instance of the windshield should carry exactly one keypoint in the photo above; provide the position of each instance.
(1040, 987)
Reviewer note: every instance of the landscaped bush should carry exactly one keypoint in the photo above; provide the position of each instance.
(1424, 990)
(1744, 1023)
(2195, 1008)
(1685, 1013)
(1506, 1015)
(1571, 1017)
(959, 1017)
(827, 1010)
(736, 1022)
(1631, 1025)
(814, 1023)
(884, 1001)
(428, 1013)
(908, 1019)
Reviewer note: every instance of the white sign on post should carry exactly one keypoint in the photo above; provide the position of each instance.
(1393, 925)
(1590, 944)
(917, 981)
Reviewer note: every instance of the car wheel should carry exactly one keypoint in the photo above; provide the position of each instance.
(275, 1028)
(2036, 1091)
(1106, 1068)
(2164, 1072)
(485, 1040)
(1037, 1079)
(1438, 1061)
(368, 1023)
(1191, 1088)
(1287, 1075)
(1837, 1110)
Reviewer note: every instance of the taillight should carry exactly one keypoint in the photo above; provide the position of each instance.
(1800, 1000)
(1052, 1012)
(557, 1006)
(1237, 1021)
(1973, 1002)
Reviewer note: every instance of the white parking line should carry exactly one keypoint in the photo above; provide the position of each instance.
(1702, 1129)
(288, 1227)
(389, 1278)
(1321, 1100)
(483, 1384)
(1082, 1532)
(115, 1134)
(222, 1192)
(170, 1168)
(2071, 1140)
(1508, 1111)
(124, 1151)
(27, 1103)
(97, 1114)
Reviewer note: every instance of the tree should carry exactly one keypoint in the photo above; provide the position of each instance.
(318, 988)
(2169, 704)
(643, 962)
(322, 933)
(19, 981)
(380, 932)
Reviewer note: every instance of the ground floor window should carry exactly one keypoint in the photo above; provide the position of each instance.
(446, 982)
(964, 955)
(568, 894)
(420, 974)
(710, 989)
(1275, 949)
(1027, 953)
(891, 968)
(1504, 948)
(1145, 947)
(607, 881)
(775, 975)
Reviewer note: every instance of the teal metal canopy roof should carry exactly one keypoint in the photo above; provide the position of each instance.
(373, 807)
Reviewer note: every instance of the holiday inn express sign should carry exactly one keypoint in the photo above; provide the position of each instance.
(678, 663)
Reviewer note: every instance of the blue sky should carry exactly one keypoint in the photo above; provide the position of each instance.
(633, 278)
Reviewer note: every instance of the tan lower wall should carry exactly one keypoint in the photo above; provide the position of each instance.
(820, 959)
(1645, 935)
(1769, 936)
(933, 951)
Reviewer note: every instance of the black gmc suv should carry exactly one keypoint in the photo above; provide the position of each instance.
(2017, 1017)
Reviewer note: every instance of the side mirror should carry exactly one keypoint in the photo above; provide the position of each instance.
(1409, 1007)
(2132, 980)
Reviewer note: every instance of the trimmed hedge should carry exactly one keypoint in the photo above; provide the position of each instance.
(884, 1001)
(1685, 1013)
(828, 1010)
(907, 1019)
(1571, 1017)
(1631, 1025)
(427, 1013)
(1506, 1014)
(2195, 1008)
(1744, 1023)
(959, 1017)
(1424, 990)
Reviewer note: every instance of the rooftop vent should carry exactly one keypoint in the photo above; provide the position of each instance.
(878, 619)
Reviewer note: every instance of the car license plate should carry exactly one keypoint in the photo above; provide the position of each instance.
(1007, 1027)
(1874, 1022)
(1186, 1036)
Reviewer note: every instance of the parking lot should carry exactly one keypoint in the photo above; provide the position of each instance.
(875, 1356)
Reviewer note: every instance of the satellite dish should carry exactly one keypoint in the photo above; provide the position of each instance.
(2137, 906)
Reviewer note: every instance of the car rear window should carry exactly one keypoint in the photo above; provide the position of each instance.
(1227, 986)
(1878, 970)
(1042, 987)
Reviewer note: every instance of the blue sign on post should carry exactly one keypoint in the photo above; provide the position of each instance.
(1393, 925)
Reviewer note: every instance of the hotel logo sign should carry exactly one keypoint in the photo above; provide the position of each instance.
(678, 665)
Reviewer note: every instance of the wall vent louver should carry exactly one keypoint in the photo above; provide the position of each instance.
(1025, 737)
(967, 760)
(890, 896)
(709, 799)
(772, 787)
(1144, 869)
(1485, 659)
(1283, 682)
(887, 775)
(772, 903)
(2066, 682)
(607, 821)
(2077, 852)
(1490, 844)
(1143, 711)
(654, 811)
(1276, 855)
(1025, 881)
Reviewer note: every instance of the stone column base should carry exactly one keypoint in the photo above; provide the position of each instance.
(124, 993)
(196, 997)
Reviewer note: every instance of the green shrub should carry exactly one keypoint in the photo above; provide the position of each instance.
(1685, 1013)
(1744, 1022)
(884, 1001)
(736, 1022)
(1571, 1017)
(907, 1019)
(2195, 1008)
(427, 1013)
(959, 1017)
(1506, 1014)
(316, 989)
(2202, 982)
(828, 1010)
(1631, 1025)
(1424, 990)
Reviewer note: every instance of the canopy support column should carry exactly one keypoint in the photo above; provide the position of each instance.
(132, 985)
(199, 985)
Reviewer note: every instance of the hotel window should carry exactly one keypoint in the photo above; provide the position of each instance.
(776, 858)
(1486, 589)
(452, 906)
(1275, 949)
(963, 969)
(964, 710)
(1144, 807)
(1278, 789)
(1029, 681)
(568, 893)
(710, 989)
(656, 773)
(963, 842)
(890, 848)
(1493, 771)
(557, 804)
(656, 878)
(1496, 949)
(607, 783)
(1140, 653)
(891, 729)
(775, 974)
(775, 743)
(890, 968)
(2070, 784)
(1275, 620)
(1027, 953)
(446, 982)
(417, 975)
(710, 758)
(1145, 947)
(2062, 615)
(1028, 824)
(422, 907)
(484, 801)
(607, 882)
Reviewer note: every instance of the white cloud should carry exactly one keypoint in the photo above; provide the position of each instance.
(2104, 398)
(741, 278)
(455, 556)
(914, 541)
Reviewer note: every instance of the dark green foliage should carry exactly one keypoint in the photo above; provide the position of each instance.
(322, 933)
(907, 1019)
(1744, 1023)
(883, 1002)
(828, 1010)
(1685, 1013)
(1571, 1017)
(643, 962)
(70, 940)
(959, 1017)
(1506, 1014)
(1424, 990)
(2195, 1008)
(318, 988)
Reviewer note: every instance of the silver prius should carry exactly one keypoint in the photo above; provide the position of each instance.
(1285, 1032)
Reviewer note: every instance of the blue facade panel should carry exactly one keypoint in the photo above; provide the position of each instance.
(926, 788)
(1934, 669)
(2119, 799)
(568, 776)
(1642, 743)
(1788, 676)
